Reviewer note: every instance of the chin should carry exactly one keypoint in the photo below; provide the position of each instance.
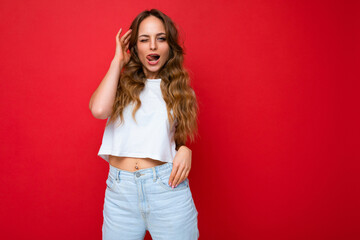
(153, 70)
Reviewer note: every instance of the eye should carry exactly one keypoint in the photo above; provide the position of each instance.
(162, 39)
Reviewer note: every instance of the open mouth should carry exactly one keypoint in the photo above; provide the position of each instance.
(153, 58)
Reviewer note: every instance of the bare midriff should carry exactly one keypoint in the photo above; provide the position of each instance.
(130, 163)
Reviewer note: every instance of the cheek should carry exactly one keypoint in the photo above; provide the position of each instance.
(140, 51)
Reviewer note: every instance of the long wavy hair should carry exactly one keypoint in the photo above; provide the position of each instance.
(178, 95)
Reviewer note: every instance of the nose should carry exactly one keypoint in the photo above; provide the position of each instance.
(153, 44)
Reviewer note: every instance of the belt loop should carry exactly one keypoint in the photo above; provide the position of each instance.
(118, 176)
(154, 171)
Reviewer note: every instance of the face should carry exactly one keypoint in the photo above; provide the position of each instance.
(152, 47)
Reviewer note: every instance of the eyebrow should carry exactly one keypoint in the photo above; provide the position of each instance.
(145, 35)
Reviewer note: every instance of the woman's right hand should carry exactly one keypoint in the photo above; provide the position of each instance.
(122, 45)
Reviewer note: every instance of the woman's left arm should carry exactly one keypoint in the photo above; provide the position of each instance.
(181, 166)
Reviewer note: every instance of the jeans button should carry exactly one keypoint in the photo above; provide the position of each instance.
(137, 174)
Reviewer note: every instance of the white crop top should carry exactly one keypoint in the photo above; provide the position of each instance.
(151, 137)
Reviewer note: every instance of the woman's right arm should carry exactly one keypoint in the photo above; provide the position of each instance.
(102, 100)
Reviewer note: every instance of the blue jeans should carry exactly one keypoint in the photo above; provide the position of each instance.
(143, 200)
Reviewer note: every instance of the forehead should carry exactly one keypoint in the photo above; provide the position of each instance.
(151, 26)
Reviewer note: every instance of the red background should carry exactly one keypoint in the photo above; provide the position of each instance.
(278, 152)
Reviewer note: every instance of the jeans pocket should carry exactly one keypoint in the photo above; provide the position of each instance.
(110, 181)
(163, 181)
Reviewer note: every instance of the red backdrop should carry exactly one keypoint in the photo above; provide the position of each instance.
(277, 156)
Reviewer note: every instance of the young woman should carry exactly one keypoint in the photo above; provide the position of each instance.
(150, 109)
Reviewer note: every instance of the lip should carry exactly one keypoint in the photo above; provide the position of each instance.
(152, 54)
(153, 63)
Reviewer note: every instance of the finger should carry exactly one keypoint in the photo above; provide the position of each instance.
(177, 176)
(127, 39)
(128, 32)
(126, 35)
(182, 178)
(173, 173)
(124, 43)
(118, 34)
(126, 47)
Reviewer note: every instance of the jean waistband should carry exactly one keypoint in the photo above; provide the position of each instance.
(146, 173)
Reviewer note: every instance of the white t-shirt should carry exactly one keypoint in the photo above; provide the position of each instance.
(151, 137)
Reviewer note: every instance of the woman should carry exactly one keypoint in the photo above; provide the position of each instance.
(150, 109)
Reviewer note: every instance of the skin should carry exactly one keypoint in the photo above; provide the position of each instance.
(154, 42)
(152, 39)
(181, 166)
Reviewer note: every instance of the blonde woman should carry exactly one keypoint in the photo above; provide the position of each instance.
(150, 109)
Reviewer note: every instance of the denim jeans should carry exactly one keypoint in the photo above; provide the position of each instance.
(143, 200)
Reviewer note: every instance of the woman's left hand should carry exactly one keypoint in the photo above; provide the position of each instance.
(181, 166)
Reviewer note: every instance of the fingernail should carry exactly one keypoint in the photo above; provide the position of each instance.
(176, 185)
(173, 186)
